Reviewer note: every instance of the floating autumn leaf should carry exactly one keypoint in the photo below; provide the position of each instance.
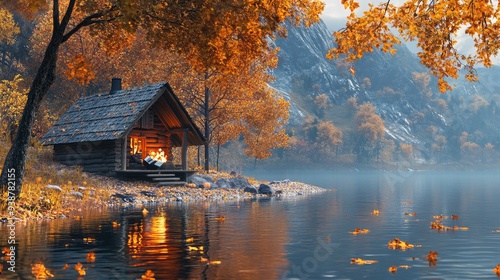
(215, 262)
(393, 269)
(115, 224)
(396, 243)
(220, 218)
(202, 259)
(66, 266)
(40, 272)
(405, 266)
(145, 211)
(440, 227)
(438, 217)
(360, 261)
(79, 268)
(190, 239)
(359, 231)
(432, 258)
(90, 257)
(496, 270)
(149, 275)
(375, 212)
(454, 217)
(411, 214)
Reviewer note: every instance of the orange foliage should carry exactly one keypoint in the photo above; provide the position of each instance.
(435, 27)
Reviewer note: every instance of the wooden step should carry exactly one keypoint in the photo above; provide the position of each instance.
(171, 183)
(161, 175)
(166, 179)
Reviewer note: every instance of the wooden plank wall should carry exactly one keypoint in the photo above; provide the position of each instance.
(92, 156)
(155, 138)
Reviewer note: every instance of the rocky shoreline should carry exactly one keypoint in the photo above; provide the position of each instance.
(112, 192)
(202, 187)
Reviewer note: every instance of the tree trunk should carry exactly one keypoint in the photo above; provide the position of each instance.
(15, 162)
(207, 124)
(218, 154)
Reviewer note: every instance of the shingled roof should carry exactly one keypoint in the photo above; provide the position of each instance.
(110, 116)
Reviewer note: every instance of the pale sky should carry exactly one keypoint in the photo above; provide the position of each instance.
(335, 16)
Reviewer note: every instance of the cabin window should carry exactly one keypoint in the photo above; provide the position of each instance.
(138, 146)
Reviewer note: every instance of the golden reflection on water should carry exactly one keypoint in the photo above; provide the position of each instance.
(173, 242)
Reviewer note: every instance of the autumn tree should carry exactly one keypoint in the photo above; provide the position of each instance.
(422, 80)
(434, 25)
(322, 103)
(210, 35)
(328, 139)
(366, 83)
(237, 103)
(406, 150)
(369, 133)
(478, 102)
(265, 129)
(352, 105)
(439, 144)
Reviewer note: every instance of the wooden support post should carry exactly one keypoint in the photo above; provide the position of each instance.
(184, 148)
(124, 152)
(168, 148)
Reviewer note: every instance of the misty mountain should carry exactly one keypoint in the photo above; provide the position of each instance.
(407, 107)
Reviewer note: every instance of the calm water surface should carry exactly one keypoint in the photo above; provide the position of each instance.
(304, 238)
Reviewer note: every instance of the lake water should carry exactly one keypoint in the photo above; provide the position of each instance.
(303, 238)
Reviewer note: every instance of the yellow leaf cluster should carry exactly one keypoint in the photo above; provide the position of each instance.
(80, 70)
(12, 100)
(8, 27)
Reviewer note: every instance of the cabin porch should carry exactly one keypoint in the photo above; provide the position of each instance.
(161, 177)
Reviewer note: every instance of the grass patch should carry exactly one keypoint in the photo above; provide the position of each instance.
(50, 189)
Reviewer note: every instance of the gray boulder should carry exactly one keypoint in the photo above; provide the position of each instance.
(232, 183)
(251, 189)
(266, 189)
(223, 183)
(199, 179)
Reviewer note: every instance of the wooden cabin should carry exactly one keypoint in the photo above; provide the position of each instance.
(115, 132)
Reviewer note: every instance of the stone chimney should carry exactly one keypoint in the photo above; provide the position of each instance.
(116, 85)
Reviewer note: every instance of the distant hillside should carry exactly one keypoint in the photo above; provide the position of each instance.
(414, 113)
